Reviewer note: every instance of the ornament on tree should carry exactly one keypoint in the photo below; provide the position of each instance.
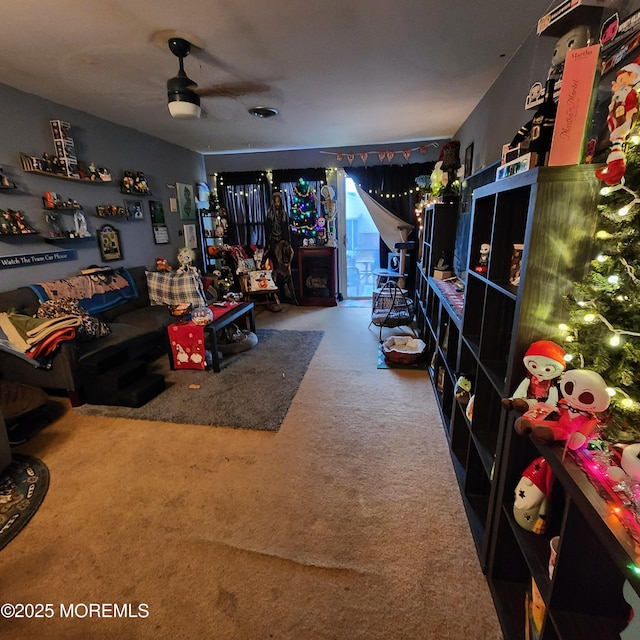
(623, 110)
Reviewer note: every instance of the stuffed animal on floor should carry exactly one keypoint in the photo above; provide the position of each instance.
(574, 419)
(544, 361)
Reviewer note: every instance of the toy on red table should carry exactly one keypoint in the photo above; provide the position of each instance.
(584, 394)
(532, 494)
(544, 361)
(623, 110)
(483, 261)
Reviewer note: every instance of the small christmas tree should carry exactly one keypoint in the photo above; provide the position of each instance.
(603, 331)
(307, 224)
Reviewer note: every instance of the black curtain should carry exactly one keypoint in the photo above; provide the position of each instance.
(246, 196)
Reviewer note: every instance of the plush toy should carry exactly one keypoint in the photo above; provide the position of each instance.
(623, 110)
(186, 257)
(544, 361)
(584, 393)
(531, 496)
(462, 390)
(162, 264)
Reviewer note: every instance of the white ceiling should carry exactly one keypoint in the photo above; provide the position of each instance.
(341, 72)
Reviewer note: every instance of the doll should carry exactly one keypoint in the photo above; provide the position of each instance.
(623, 110)
(544, 361)
(483, 261)
(584, 393)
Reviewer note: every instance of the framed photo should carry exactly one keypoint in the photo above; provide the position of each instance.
(468, 161)
(186, 201)
(190, 236)
(156, 211)
(134, 209)
(160, 234)
(109, 243)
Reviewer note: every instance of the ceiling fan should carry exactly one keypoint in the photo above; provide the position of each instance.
(184, 95)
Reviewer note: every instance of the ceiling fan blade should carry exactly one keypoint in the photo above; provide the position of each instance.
(230, 89)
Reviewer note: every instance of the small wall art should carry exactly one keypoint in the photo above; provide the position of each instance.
(186, 201)
(134, 209)
(109, 243)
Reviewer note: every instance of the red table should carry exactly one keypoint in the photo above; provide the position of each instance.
(186, 340)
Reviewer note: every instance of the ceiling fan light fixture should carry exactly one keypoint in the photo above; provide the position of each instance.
(263, 112)
(181, 108)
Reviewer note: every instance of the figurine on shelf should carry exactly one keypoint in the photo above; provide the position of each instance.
(93, 172)
(531, 496)
(623, 110)
(462, 390)
(544, 362)
(81, 225)
(574, 419)
(140, 183)
(103, 174)
(45, 163)
(127, 182)
(483, 261)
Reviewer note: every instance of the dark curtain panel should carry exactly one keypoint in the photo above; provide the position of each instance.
(246, 196)
(399, 181)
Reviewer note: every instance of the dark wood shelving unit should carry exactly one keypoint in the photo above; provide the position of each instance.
(552, 212)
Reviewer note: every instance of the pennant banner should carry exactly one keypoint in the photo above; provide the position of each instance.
(382, 155)
(350, 157)
(363, 156)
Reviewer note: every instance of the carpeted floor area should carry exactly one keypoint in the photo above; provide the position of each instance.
(345, 524)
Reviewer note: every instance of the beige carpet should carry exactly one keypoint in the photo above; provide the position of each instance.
(345, 524)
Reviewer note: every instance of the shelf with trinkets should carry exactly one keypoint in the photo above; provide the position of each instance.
(33, 164)
(134, 184)
(14, 224)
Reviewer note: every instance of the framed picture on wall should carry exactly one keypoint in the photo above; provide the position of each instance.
(468, 161)
(190, 236)
(186, 201)
(109, 243)
(134, 209)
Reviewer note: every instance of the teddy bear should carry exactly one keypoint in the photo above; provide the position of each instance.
(544, 361)
(574, 419)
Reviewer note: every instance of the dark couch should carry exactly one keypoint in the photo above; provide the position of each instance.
(136, 326)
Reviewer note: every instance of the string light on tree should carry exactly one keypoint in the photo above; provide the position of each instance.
(603, 329)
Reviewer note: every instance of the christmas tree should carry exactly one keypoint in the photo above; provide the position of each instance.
(603, 329)
(307, 224)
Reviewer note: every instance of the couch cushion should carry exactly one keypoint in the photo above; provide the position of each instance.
(22, 300)
(122, 335)
(175, 288)
(154, 318)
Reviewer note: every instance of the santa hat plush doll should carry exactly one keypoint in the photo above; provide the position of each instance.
(532, 496)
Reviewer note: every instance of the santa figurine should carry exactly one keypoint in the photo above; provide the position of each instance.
(532, 495)
(623, 110)
(584, 395)
(544, 361)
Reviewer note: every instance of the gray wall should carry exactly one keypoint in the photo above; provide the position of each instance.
(501, 111)
(25, 128)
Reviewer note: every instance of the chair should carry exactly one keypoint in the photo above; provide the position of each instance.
(391, 308)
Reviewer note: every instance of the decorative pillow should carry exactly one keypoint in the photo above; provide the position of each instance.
(173, 288)
(245, 265)
(261, 281)
(90, 327)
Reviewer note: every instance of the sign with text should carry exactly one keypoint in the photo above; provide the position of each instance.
(30, 259)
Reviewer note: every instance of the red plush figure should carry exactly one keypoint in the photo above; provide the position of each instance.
(584, 393)
(622, 116)
(545, 363)
(532, 496)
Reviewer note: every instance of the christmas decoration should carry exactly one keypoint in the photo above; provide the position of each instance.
(544, 361)
(602, 330)
(584, 395)
(532, 495)
(304, 213)
(622, 117)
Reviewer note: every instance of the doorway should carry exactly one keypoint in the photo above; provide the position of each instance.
(359, 252)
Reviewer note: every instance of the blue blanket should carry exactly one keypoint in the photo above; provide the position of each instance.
(93, 293)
